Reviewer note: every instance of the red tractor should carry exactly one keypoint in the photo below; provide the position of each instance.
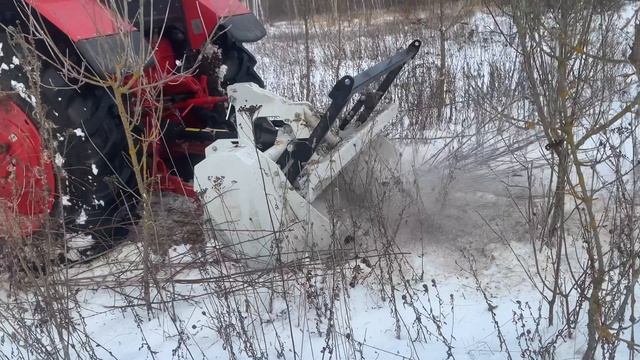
(87, 176)
(92, 154)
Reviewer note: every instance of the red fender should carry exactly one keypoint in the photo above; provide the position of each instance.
(86, 19)
(224, 8)
(202, 17)
(80, 19)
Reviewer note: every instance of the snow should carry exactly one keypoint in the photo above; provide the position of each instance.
(363, 320)
(59, 159)
(22, 90)
(79, 241)
(82, 218)
(79, 133)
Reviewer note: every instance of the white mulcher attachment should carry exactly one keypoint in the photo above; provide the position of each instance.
(259, 189)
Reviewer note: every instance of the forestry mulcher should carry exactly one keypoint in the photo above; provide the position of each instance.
(255, 161)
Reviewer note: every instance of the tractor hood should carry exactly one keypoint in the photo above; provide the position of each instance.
(81, 19)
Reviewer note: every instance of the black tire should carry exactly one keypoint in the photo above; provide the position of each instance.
(97, 178)
(97, 181)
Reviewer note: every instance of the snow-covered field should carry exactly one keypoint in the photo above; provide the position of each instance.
(447, 269)
(434, 307)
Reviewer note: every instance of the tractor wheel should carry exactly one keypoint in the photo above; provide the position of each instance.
(98, 187)
(93, 169)
(97, 180)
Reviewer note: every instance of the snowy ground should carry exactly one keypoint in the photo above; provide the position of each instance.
(364, 323)
(453, 239)
(191, 316)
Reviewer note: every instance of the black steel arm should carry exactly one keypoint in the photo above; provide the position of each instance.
(377, 71)
(293, 160)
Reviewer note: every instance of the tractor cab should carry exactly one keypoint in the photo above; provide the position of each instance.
(189, 24)
(203, 17)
